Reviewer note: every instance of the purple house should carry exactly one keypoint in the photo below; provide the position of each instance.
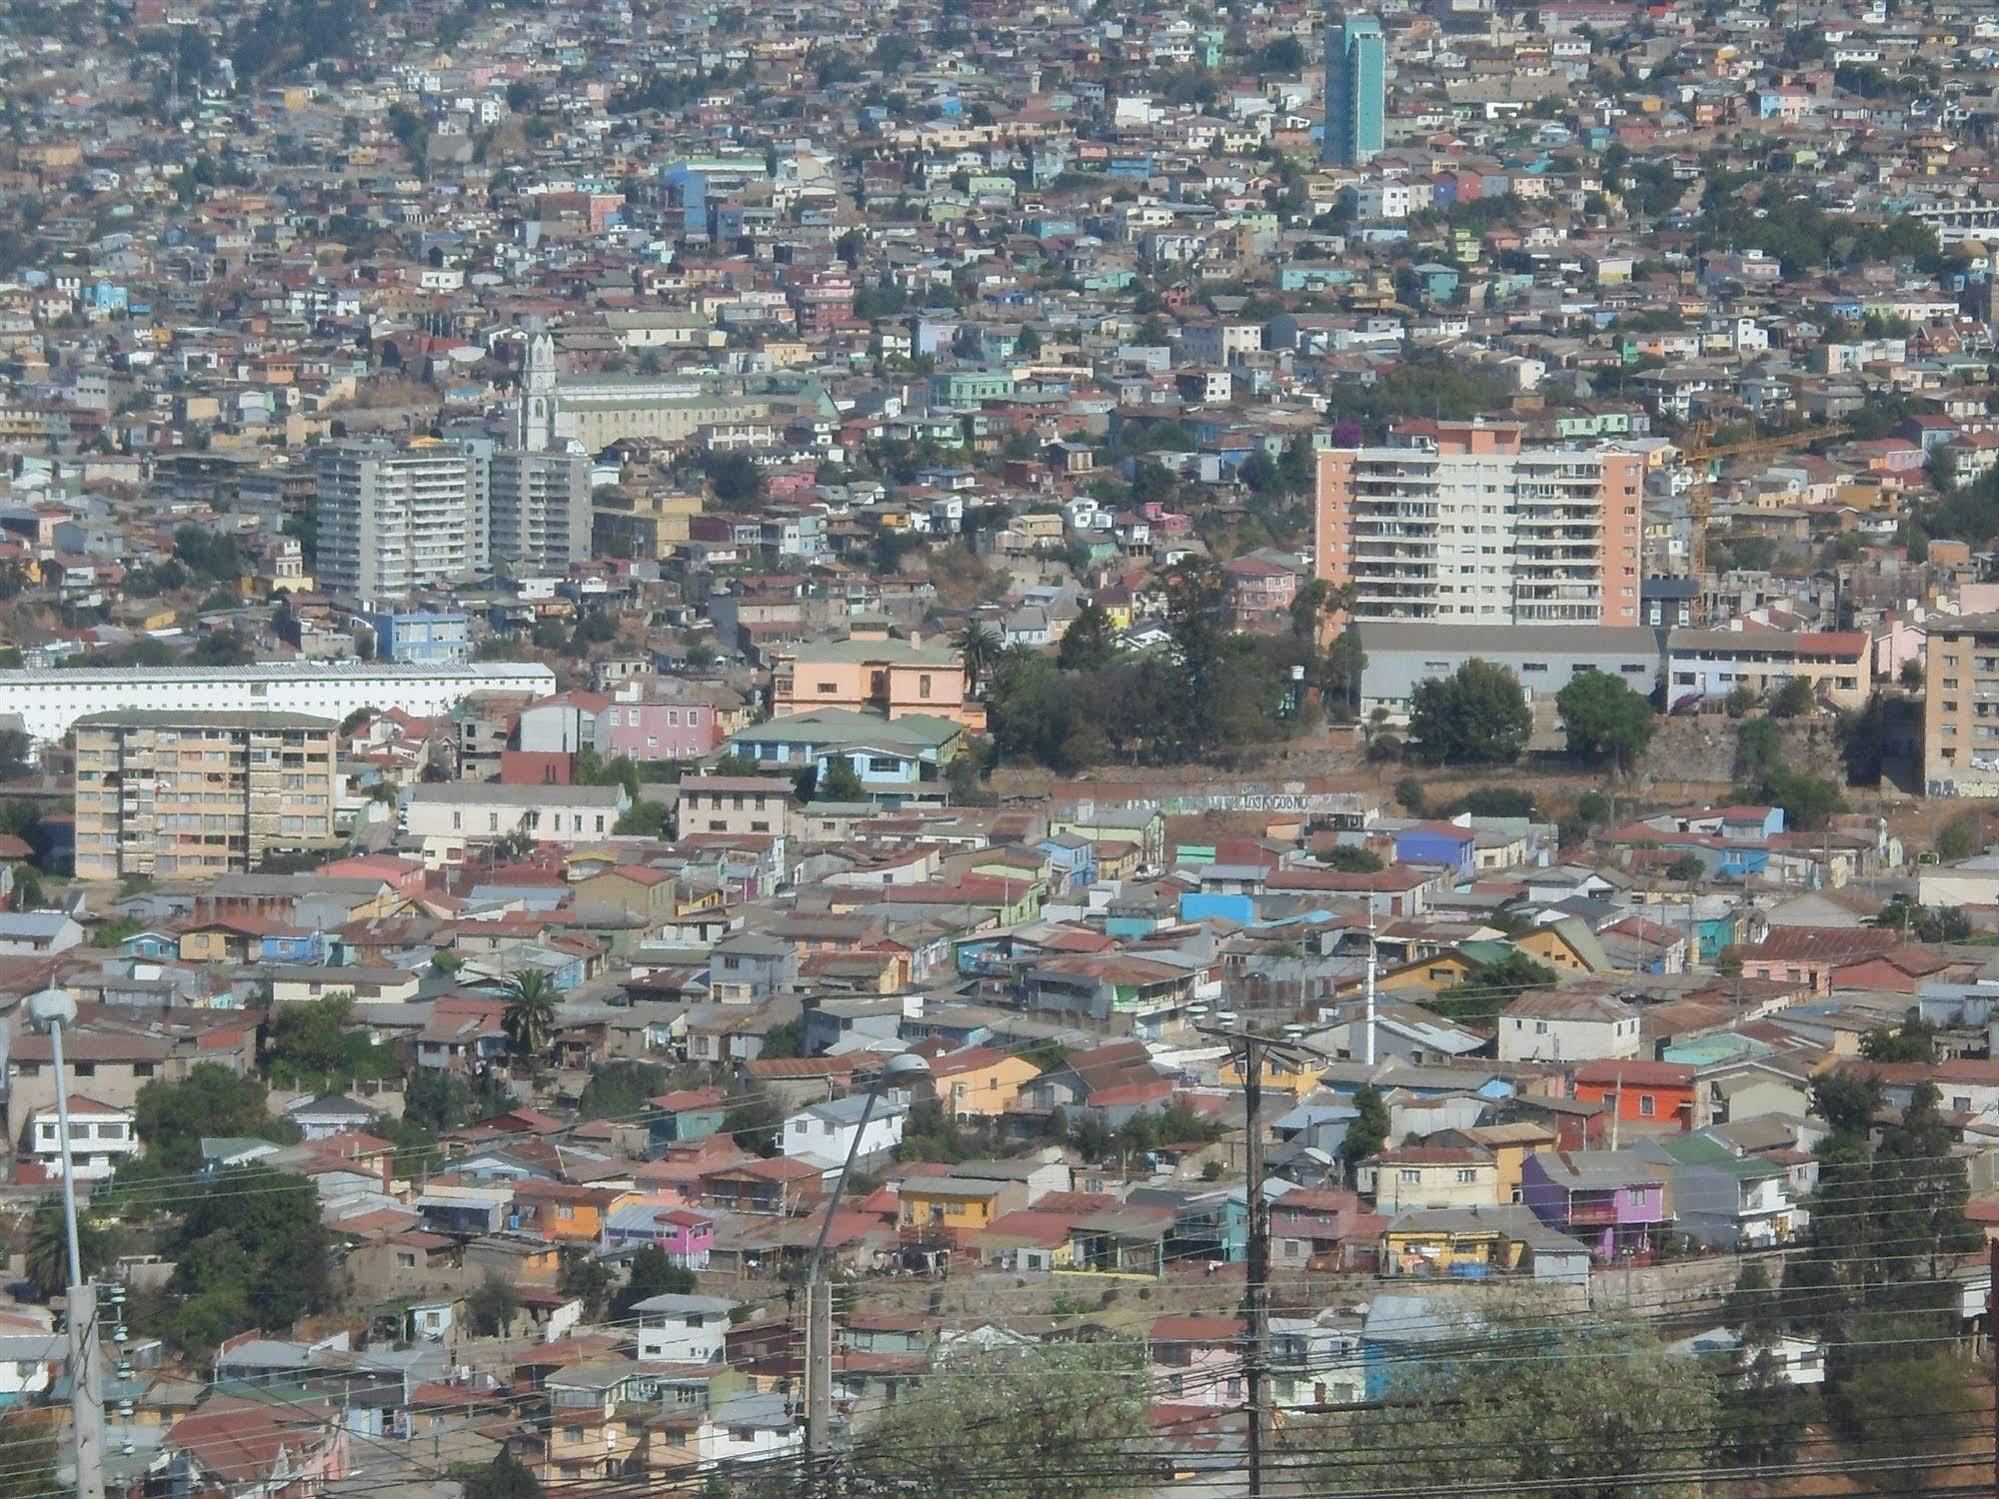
(1611, 1200)
(1442, 843)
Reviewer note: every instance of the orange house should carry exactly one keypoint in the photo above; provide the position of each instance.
(889, 677)
(566, 1213)
(1642, 1093)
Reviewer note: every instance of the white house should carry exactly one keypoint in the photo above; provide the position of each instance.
(38, 932)
(100, 1138)
(451, 816)
(825, 1132)
(28, 1365)
(749, 1426)
(1800, 1361)
(1565, 1025)
(682, 1329)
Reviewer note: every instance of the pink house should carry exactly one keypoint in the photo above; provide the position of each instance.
(246, 1449)
(687, 1237)
(1197, 1360)
(659, 731)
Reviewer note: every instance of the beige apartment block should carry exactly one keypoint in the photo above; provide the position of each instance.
(192, 794)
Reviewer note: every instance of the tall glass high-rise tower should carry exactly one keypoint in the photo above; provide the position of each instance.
(1355, 59)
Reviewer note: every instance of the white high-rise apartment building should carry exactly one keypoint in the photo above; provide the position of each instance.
(393, 520)
(1464, 523)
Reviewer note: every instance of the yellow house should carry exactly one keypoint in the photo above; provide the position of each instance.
(949, 1205)
(1411, 1246)
(981, 1083)
(1277, 1075)
(1510, 1145)
(1441, 971)
(1567, 946)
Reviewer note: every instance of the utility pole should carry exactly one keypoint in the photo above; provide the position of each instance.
(904, 1067)
(1370, 983)
(1256, 1294)
(1250, 1052)
(1992, 1334)
(53, 1008)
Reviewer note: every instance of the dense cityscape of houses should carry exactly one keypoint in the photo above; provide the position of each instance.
(650, 656)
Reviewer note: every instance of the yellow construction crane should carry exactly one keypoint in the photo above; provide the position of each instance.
(1701, 452)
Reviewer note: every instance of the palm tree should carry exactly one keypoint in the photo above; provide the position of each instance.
(529, 1020)
(979, 647)
(48, 1249)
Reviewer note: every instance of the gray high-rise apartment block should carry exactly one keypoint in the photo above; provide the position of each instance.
(538, 508)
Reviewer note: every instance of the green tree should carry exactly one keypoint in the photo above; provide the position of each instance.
(1604, 719)
(1556, 1401)
(210, 1100)
(437, 1099)
(1809, 801)
(583, 1275)
(1763, 1415)
(1089, 642)
(1793, 700)
(1367, 1132)
(619, 1090)
(1686, 869)
(1067, 1404)
(1924, 923)
(1477, 716)
(1480, 998)
(255, 1237)
(1349, 859)
(1915, 1040)
(841, 782)
(1961, 837)
(311, 1049)
(529, 1017)
(652, 1273)
(1759, 749)
(490, 1308)
(505, 1477)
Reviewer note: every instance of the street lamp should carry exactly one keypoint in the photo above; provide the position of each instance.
(904, 1067)
(52, 1009)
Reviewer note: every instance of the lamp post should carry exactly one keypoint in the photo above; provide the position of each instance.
(904, 1067)
(52, 1009)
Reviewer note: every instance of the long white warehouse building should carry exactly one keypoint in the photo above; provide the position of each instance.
(49, 702)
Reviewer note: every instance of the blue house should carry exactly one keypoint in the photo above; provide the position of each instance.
(1072, 860)
(150, 945)
(1442, 843)
(1198, 905)
(422, 638)
(1397, 1333)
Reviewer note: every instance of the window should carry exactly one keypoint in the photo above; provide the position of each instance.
(1635, 1196)
(923, 685)
(1467, 1174)
(1410, 1178)
(1646, 1107)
